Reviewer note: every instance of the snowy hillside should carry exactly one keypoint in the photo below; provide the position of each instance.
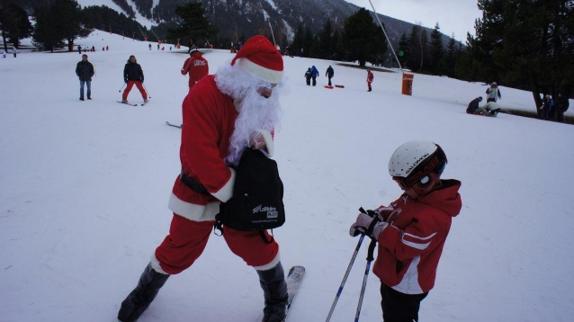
(84, 189)
(112, 5)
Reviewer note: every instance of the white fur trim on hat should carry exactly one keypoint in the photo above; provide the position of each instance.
(270, 75)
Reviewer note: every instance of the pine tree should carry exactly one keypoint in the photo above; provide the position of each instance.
(56, 22)
(326, 48)
(192, 26)
(436, 51)
(14, 24)
(403, 51)
(415, 50)
(363, 39)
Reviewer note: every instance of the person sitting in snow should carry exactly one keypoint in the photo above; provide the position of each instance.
(196, 66)
(133, 75)
(223, 114)
(474, 108)
(412, 231)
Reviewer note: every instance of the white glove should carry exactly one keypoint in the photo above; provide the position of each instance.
(362, 224)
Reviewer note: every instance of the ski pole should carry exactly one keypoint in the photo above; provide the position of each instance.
(355, 252)
(122, 88)
(367, 269)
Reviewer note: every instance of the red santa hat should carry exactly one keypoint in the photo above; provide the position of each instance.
(259, 57)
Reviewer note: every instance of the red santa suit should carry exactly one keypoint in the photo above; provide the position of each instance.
(196, 66)
(411, 246)
(209, 118)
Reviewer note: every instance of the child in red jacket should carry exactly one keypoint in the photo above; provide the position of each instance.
(411, 232)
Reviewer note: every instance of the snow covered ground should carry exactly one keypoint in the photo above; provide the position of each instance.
(84, 188)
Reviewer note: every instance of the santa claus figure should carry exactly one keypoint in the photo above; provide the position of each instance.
(238, 107)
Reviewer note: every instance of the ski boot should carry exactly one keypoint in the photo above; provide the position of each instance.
(275, 292)
(140, 298)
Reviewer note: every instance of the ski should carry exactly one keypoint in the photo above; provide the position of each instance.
(168, 123)
(128, 103)
(294, 279)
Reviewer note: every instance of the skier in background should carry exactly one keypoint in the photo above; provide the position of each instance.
(222, 115)
(330, 73)
(308, 76)
(370, 78)
(412, 231)
(196, 66)
(133, 75)
(493, 93)
(314, 74)
(85, 71)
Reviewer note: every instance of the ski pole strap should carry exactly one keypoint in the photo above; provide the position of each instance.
(193, 184)
(373, 215)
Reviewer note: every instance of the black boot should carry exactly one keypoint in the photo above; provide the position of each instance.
(275, 292)
(139, 299)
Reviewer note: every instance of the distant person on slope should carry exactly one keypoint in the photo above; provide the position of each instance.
(133, 75)
(85, 71)
(412, 231)
(474, 108)
(223, 115)
(370, 78)
(330, 73)
(196, 66)
(314, 74)
(308, 76)
(493, 93)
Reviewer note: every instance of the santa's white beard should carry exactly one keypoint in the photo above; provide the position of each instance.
(255, 111)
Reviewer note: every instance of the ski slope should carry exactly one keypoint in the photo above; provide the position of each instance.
(84, 189)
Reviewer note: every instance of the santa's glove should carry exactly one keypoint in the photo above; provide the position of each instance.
(262, 140)
(365, 224)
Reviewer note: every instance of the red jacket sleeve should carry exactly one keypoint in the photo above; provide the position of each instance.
(186, 65)
(200, 152)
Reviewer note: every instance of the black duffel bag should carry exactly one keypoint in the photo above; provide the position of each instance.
(257, 202)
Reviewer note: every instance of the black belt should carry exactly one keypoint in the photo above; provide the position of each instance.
(193, 184)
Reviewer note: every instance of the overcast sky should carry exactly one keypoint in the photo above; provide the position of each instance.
(453, 16)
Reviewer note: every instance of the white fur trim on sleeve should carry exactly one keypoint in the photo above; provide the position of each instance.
(226, 192)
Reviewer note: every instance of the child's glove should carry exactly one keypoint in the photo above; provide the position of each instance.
(362, 224)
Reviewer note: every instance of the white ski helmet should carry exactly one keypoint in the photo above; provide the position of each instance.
(413, 161)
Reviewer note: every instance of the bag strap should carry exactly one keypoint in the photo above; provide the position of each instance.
(218, 230)
(193, 184)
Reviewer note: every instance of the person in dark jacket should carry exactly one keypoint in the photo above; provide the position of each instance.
(330, 73)
(85, 71)
(562, 104)
(308, 76)
(314, 74)
(133, 75)
(473, 106)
